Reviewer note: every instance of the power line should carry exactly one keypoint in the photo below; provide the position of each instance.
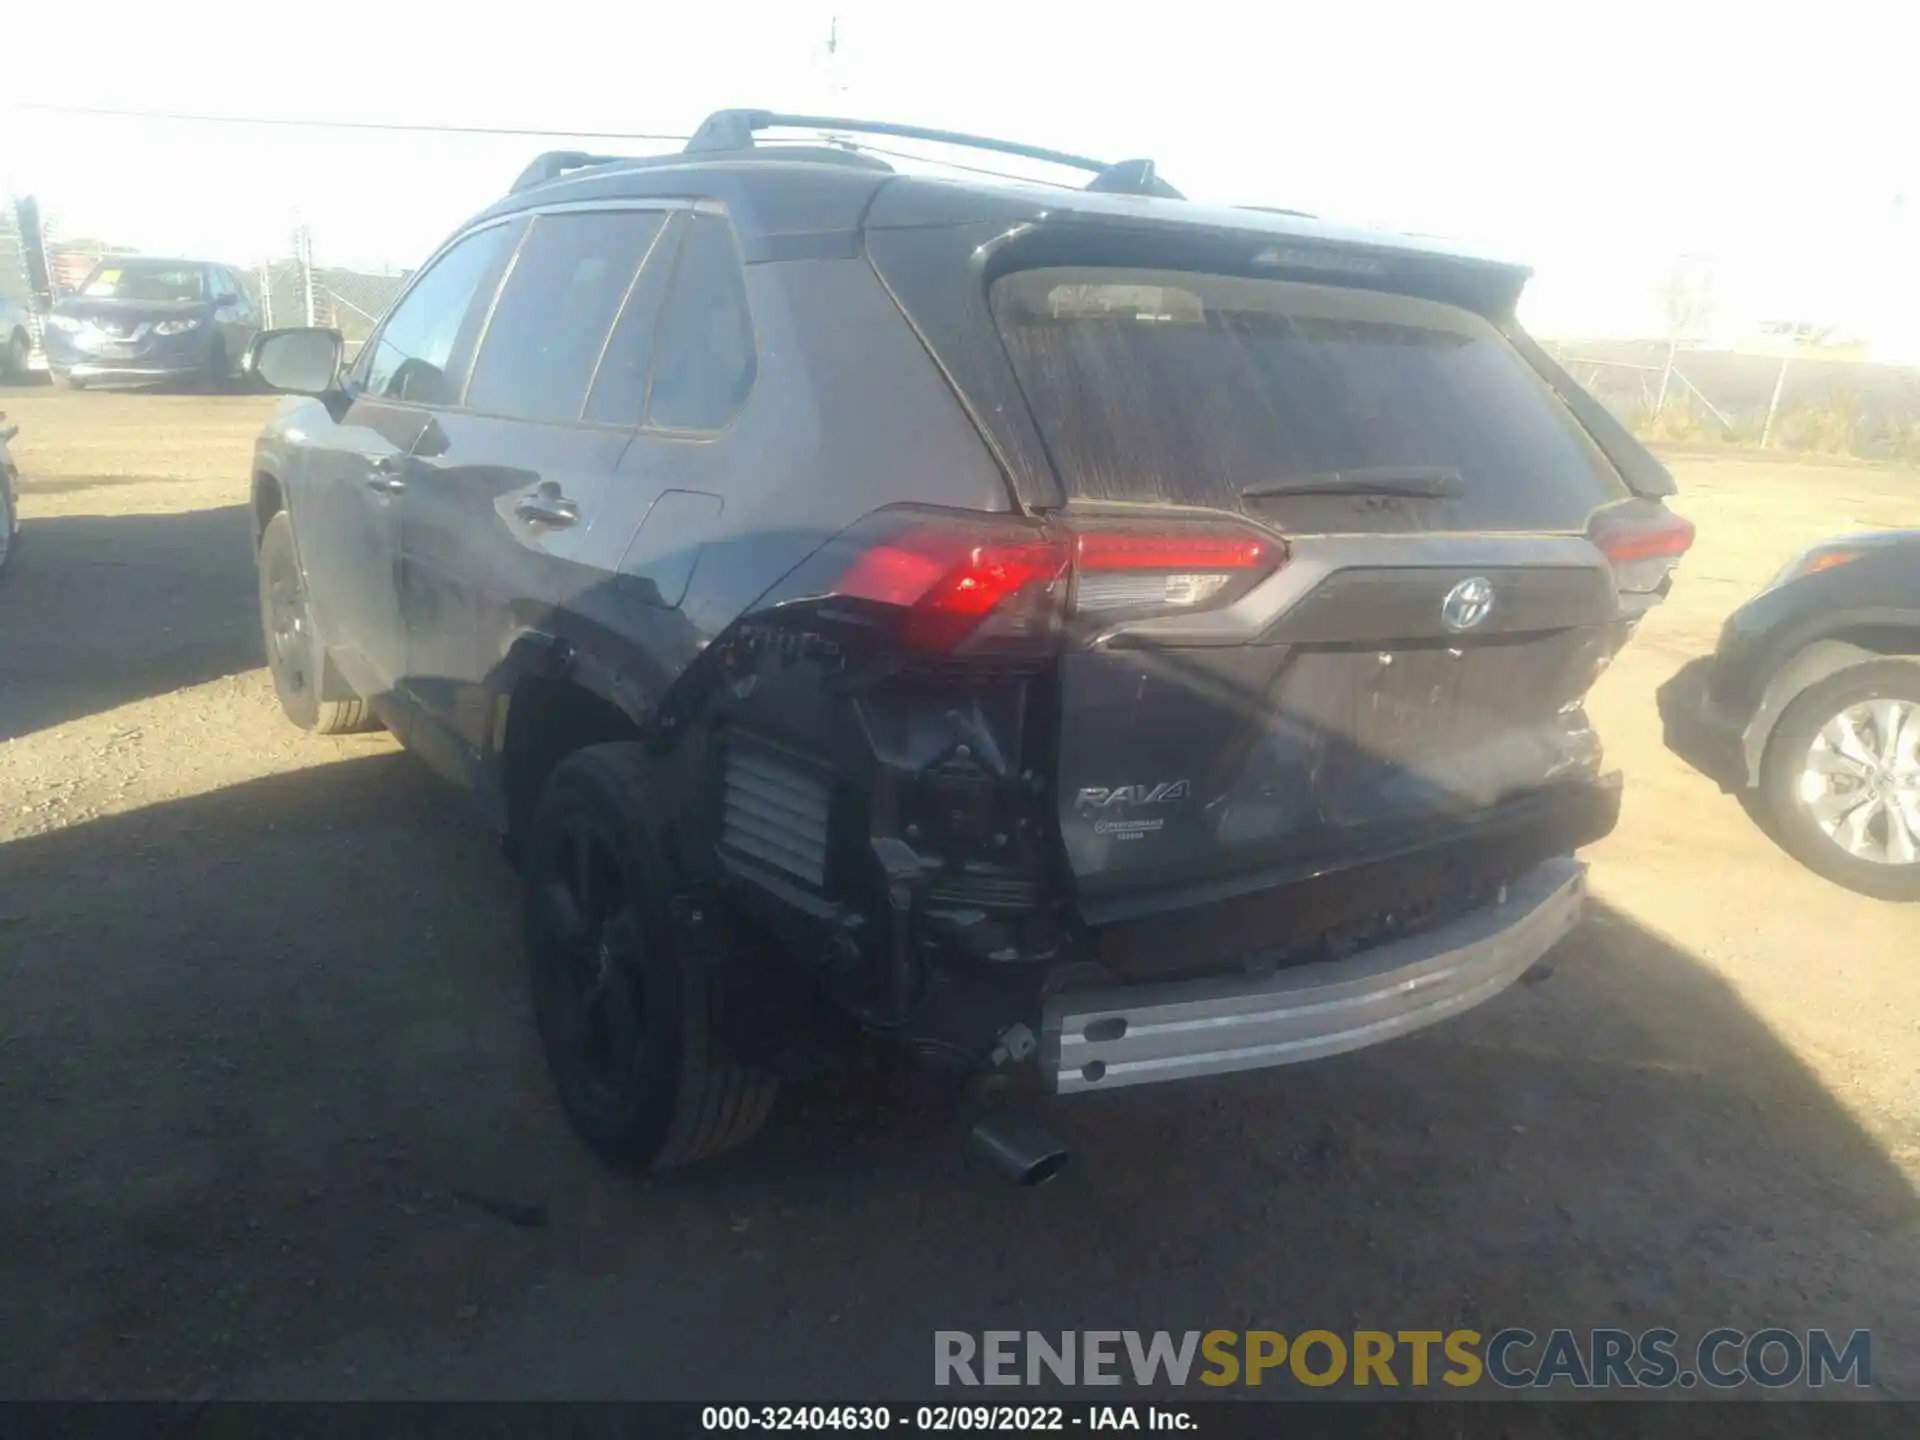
(296, 123)
(303, 124)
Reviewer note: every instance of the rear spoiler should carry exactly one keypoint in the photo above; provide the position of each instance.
(1644, 474)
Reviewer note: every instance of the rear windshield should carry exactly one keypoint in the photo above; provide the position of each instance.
(1172, 386)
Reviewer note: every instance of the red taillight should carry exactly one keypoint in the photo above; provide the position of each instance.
(1111, 550)
(1665, 537)
(1643, 547)
(949, 581)
(1143, 572)
(953, 578)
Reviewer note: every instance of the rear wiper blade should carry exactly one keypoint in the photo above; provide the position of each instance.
(1431, 482)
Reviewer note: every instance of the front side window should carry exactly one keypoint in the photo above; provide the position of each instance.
(704, 353)
(408, 359)
(551, 322)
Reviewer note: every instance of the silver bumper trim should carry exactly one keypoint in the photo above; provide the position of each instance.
(1150, 1033)
(94, 370)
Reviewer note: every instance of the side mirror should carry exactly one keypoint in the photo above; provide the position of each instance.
(304, 361)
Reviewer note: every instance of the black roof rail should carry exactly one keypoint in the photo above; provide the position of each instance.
(556, 163)
(734, 130)
(1133, 177)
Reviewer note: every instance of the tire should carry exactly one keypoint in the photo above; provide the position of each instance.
(9, 542)
(625, 1013)
(13, 363)
(74, 382)
(1826, 750)
(296, 656)
(213, 378)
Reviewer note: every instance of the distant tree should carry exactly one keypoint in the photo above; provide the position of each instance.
(1686, 299)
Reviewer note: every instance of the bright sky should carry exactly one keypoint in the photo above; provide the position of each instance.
(1778, 140)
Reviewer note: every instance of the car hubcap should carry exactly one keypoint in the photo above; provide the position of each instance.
(592, 939)
(287, 628)
(1861, 782)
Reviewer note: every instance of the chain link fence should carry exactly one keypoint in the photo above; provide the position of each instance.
(1795, 398)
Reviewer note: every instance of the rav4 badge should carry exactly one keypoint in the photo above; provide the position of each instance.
(1093, 797)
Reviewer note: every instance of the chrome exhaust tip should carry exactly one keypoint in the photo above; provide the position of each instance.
(1019, 1149)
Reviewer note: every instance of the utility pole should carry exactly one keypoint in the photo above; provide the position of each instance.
(303, 252)
(1686, 305)
(1773, 405)
(266, 293)
(836, 86)
(1666, 374)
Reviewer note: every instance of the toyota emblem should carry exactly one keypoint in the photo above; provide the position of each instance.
(1468, 604)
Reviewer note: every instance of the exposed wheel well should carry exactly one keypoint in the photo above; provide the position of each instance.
(267, 502)
(1887, 640)
(1815, 662)
(547, 720)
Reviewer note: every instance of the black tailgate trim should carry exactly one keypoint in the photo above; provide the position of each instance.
(1363, 605)
(1556, 820)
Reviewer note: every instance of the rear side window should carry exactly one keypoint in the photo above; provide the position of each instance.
(1187, 388)
(704, 357)
(556, 310)
(408, 360)
(619, 395)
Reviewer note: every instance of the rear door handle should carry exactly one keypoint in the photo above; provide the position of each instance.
(387, 474)
(547, 506)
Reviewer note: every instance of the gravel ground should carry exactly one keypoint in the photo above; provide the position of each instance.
(273, 1120)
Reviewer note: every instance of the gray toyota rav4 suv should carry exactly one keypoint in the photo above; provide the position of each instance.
(1070, 633)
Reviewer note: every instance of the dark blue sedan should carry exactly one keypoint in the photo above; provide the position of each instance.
(140, 320)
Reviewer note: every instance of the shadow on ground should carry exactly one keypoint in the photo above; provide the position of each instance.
(79, 484)
(102, 610)
(273, 1122)
(1679, 700)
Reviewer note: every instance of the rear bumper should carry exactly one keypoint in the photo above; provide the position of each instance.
(1150, 1033)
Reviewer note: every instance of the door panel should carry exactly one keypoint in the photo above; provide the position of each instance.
(245, 322)
(348, 523)
(479, 564)
(504, 527)
(416, 360)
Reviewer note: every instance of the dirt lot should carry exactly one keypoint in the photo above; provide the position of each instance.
(273, 1120)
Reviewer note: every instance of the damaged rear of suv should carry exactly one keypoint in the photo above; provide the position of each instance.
(1111, 640)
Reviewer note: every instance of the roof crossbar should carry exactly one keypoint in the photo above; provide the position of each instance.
(733, 130)
(556, 163)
